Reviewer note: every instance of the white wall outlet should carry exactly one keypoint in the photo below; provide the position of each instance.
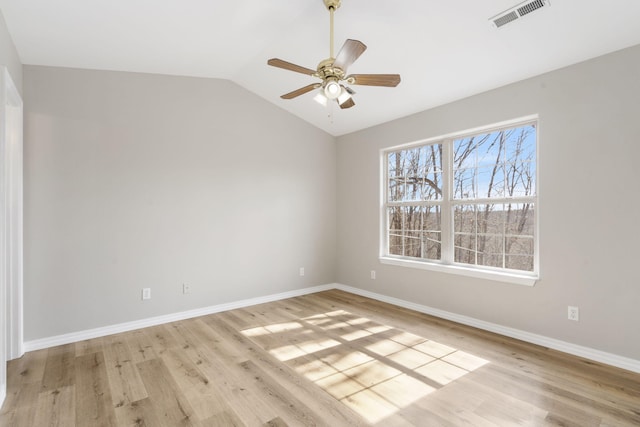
(146, 293)
(573, 313)
(186, 289)
(373, 275)
(302, 271)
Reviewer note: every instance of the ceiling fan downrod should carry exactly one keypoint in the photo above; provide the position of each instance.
(331, 5)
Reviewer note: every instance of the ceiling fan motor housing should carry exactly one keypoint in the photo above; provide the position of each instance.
(326, 70)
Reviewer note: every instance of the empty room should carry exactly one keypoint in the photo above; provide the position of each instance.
(319, 213)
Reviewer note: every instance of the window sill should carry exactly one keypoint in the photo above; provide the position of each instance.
(517, 279)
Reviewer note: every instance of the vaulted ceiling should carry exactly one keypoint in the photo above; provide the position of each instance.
(444, 50)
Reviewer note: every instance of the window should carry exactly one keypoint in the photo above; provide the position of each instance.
(465, 203)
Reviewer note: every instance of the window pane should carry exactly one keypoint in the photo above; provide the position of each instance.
(491, 250)
(496, 164)
(415, 174)
(519, 253)
(413, 223)
(520, 158)
(396, 187)
(465, 184)
(415, 231)
(491, 219)
(465, 234)
(520, 219)
(431, 233)
(395, 226)
(519, 239)
(490, 181)
(495, 235)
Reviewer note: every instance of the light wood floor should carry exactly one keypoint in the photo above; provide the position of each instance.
(328, 359)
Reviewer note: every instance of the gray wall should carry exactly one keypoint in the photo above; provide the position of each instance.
(9, 56)
(135, 180)
(589, 185)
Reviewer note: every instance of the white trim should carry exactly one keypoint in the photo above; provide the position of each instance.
(566, 347)
(10, 225)
(72, 337)
(497, 276)
(552, 343)
(13, 138)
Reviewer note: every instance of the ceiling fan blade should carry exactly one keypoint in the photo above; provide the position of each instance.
(351, 50)
(347, 104)
(275, 62)
(301, 91)
(389, 80)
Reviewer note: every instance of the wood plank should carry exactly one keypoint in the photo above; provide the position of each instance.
(286, 404)
(276, 422)
(169, 403)
(19, 408)
(59, 370)
(94, 406)
(214, 357)
(141, 413)
(194, 384)
(224, 419)
(161, 338)
(91, 346)
(27, 369)
(140, 346)
(56, 408)
(126, 384)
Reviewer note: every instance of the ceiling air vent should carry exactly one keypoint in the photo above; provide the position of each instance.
(517, 12)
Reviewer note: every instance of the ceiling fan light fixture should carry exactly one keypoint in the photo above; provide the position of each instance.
(344, 96)
(321, 99)
(332, 89)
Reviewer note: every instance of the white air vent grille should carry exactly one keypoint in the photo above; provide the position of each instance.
(530, 7)
(505, 19)
(517, 12)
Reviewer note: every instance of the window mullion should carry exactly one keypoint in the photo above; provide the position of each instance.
(447, 196)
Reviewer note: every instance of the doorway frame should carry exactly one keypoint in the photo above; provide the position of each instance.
(11, 227)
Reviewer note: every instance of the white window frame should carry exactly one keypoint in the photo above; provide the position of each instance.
(446, 264)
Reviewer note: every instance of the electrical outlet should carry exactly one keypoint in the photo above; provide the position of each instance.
(186, 289)
(573, 313)
(146, 293)
(302, 271)
(373, 275)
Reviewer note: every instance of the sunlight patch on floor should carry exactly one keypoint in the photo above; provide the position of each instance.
(441, 372)
(287, 352)
(374, 369)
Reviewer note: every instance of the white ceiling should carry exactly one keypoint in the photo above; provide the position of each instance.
(444, 50)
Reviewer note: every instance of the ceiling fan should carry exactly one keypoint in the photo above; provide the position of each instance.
(333, 71)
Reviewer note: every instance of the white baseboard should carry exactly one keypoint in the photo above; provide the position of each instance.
(566, 347)
(159, 320)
